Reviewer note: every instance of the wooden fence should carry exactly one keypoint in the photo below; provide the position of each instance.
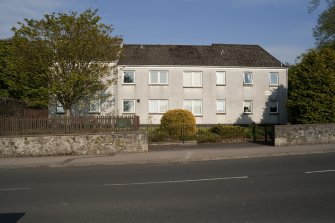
(13, 126)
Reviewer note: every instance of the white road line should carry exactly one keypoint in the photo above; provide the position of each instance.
(177, 181)
(15, 189)
(320, 171)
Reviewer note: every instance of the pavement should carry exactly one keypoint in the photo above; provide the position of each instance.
(173, 153)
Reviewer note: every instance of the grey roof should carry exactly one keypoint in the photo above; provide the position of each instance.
(195, 55)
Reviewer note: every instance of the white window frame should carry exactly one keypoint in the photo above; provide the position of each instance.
(244, 106)
(92, 102)
(193, 106)
(224, 106)
(192, 78)
(123, 75)
(223, 79)
(274, 84)
(59, 108)
(244, 78)
(159, 77)
(159, 101)
(129, 112)
(277, 106)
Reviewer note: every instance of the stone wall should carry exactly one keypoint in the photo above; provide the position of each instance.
(286, 135)
(84, 144)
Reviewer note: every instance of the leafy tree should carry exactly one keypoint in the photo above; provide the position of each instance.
(324, 32)
(4, 44)
(312, 88)
(63, 55)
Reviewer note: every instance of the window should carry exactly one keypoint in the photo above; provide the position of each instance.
(247, 107)
(59, 108)
(220, 77)
(128, 106)
(128, 77)
(158, 77)
(192, 79)
(274, 80)
(247, 78)
(94, 106)
(220, 106)
(194, 106)
(273, 107)
(158, 106)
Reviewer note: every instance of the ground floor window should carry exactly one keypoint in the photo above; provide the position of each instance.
(194, 106)
(220, 106)
(158, 106)
(247, 107)
(128, 106)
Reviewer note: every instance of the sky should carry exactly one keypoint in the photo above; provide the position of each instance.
(282, 27)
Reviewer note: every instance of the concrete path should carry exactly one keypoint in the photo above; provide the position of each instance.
(169, 154)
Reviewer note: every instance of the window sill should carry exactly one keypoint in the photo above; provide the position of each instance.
(128, 84)
(158, 84)
(247, 85)
(94, 113)
(247, 113)
(220, 113)
(274, 113)
(192, 86)
(220, 84)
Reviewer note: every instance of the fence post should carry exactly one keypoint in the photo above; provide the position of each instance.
(254, 131)
(266, 133)
(136, 123)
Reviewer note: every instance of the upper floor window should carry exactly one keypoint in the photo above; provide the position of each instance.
(128, 77)
(247, 107)
(128, 106)
(220, 106)
(247, 78)
(192, 79)
(94, 106)
(194, 106)
(158, 77)
(158, 106)
(274, 79)
(273, 107)
(220, 77)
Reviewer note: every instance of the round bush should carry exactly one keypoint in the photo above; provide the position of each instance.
(179, 123)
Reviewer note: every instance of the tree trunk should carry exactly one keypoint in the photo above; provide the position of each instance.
(67, 112)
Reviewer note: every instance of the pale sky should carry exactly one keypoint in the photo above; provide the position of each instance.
(282, 27)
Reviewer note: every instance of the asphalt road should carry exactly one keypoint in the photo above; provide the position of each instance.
(274, 189)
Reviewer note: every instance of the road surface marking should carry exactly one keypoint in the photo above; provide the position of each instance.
(15, 189)
(320, 171)
(177, 181)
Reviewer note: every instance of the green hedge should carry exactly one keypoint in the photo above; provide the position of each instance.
(222, 133)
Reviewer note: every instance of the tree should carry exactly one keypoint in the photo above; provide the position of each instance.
(312, 88)
(67, 56)
(324, 32)
(4, 44)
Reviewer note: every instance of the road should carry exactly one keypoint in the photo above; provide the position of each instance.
(274, 189)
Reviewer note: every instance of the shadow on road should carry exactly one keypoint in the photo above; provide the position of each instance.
(11, 217)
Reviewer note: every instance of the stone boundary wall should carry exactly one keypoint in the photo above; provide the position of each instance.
(83, 144)
(287, 135)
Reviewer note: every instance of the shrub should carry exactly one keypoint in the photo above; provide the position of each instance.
(229, 132)
(157, 135)
(206, 136)
(179, 124)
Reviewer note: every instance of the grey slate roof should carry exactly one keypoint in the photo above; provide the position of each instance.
(211, 55)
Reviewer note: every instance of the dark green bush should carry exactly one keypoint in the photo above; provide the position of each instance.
(229, 132)
(158, 135)
(207, 137)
